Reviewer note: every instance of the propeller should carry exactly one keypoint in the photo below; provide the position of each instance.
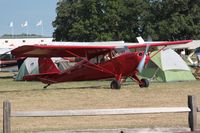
(140, 66)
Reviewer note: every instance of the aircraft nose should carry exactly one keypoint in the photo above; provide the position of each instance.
(143, 60)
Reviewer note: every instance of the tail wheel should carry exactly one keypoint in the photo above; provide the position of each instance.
(144, 83)
(115, 84)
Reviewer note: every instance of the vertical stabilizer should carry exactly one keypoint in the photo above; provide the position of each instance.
(46, 65)
(140, 39)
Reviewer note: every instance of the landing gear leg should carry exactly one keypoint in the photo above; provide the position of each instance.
(115, 84)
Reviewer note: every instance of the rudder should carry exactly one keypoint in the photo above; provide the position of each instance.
(46, 65)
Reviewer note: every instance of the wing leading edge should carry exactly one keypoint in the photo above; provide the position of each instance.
(82, 51)
(155, 44)
(59, 51)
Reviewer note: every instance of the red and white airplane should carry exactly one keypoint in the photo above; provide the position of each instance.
(95, 61)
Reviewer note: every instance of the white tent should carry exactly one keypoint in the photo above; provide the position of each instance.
(172, 61)
(29, 66)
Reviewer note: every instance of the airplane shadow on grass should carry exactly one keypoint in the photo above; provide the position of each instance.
(52, 87)
(106, 86)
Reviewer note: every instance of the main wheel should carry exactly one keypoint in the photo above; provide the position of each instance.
(115, 84)
(144, 83)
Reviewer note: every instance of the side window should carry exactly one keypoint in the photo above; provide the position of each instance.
(114, 53)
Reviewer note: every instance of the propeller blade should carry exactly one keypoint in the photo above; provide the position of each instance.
(147, 48)
(149, 38)
(141, 64)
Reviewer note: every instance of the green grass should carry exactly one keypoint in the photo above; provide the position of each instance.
(30, 96)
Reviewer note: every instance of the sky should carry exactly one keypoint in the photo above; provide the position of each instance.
(32, 11)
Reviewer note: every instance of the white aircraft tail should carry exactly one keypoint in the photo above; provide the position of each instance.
(140, 39)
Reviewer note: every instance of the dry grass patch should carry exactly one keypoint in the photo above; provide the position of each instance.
(29, 96)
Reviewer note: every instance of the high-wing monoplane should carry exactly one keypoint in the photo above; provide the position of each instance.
(99, 61)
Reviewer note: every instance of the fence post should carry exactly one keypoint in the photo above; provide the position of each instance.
(192, 118)
(6, 116)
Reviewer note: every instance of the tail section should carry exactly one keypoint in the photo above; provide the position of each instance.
(47, 72)
(140, 39)
(46, 65)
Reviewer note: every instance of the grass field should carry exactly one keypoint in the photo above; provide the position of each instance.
(30, 96)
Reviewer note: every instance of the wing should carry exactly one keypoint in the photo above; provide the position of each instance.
(80, 50)
(60, 51)
(155, 44)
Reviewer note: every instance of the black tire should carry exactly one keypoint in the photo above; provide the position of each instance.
(115, 84)
(144, 83)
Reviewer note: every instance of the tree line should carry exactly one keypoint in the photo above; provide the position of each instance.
(104, 20)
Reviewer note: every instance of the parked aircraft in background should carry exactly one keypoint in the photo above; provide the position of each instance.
(7, 61)
(95, 61)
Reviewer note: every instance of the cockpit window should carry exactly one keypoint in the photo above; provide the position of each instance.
(110, 55)
(103, 57)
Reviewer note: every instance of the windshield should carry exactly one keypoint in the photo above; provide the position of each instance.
(121, 50)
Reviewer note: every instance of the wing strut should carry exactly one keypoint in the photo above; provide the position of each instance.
(158, 51)
(96, 67)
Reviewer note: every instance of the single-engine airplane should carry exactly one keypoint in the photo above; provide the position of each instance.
(95, 62)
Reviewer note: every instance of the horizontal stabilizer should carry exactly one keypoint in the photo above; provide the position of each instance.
(37, 77)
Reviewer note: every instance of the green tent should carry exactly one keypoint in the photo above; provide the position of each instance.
(167, 66)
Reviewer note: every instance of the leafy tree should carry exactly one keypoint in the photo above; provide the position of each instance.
(98, 20)
(133, 19)
(88, 20)
(174, 19)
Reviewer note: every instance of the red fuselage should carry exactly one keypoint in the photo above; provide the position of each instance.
(120, 67)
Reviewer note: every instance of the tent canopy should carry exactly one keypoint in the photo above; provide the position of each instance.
(167, 66)
(29, 66)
